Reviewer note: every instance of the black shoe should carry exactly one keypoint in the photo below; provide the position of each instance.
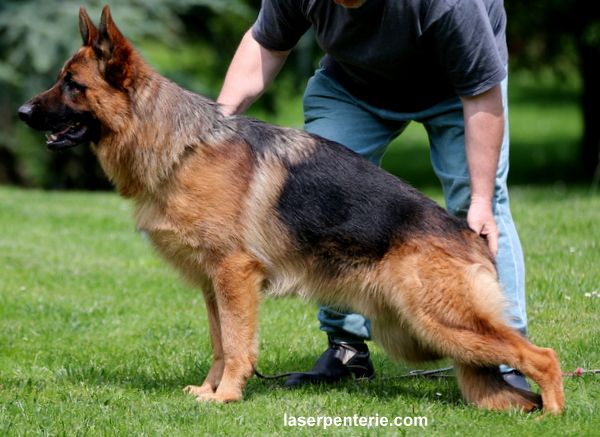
(516, 379)
(341, 360)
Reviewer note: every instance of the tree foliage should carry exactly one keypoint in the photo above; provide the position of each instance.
(566, 35)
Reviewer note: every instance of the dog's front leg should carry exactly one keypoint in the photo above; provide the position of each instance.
(213, 378)
(236, 284)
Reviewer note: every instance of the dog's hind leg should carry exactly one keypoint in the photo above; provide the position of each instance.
(236, 282)
(476, 341)
(455, 308)
(479, 385)
(213, 378)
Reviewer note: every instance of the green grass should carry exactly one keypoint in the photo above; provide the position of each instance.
(98, 336)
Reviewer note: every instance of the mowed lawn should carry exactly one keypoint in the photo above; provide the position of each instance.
(98, 336)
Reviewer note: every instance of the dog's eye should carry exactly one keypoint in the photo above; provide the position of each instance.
(73, 86)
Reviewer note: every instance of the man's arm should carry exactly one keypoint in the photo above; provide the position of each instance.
(484, 129)
(251, 71)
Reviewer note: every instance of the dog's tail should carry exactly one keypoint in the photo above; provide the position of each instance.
(485, 388)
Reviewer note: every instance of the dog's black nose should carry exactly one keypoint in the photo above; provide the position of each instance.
(25, 111)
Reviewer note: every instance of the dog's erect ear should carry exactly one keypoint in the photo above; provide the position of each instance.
(113, 48)
(89, 33)
(110, 36)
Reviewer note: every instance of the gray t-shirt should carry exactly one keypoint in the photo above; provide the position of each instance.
(404, 55)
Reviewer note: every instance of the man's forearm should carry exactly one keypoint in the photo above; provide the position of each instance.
(251, 71)
(484, 129)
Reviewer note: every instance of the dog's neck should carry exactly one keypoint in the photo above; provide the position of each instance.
(141, 153)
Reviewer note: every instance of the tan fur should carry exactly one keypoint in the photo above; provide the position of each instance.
(209, 207)
(485, 388)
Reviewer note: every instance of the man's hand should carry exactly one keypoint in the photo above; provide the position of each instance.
(481, 219)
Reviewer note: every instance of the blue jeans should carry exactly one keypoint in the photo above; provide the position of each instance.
(332, 112)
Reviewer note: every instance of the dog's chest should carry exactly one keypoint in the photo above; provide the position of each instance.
(185, 237)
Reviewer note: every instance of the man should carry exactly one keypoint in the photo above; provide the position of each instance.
(442, 63)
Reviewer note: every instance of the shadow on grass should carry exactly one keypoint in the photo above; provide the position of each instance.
(388, 384)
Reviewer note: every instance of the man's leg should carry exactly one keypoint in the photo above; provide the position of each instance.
(445, 127)
(334, 114)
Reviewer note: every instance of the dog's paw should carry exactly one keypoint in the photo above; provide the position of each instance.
(553, 409)
(220, 398)
(205, 393)
(198, 390)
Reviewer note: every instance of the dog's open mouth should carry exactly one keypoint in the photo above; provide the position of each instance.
(67, 136)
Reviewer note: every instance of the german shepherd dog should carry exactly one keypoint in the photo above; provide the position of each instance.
(239, 206)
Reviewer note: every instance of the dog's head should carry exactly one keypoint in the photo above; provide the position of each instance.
(91, 94)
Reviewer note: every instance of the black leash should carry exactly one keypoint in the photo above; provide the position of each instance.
(435, 373)
(276, 376)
